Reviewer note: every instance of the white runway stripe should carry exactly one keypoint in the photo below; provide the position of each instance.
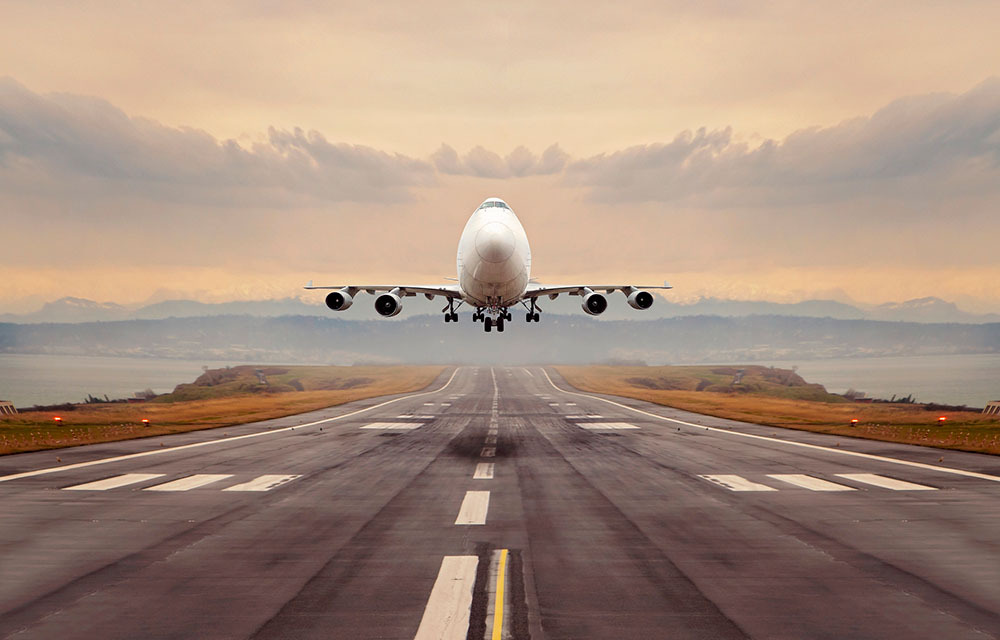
(190, 482)
(736, 483)
(446, 616)
(809, 482)
(488, 452)
(491, 439)
(884, 482)
(603, 426)
(474, 508)
(405, 426)
(484, 471)
(115, 482)
(263, 483)
(256, 434)
(790, 443)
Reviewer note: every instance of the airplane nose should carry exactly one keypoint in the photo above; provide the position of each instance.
(495, 242)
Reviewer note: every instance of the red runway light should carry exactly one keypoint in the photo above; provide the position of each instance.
(145, 421)
(854, 422)
(942, 419)
(57, 419)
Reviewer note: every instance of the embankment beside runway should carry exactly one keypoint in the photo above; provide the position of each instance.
(781, 398)
(218, 398)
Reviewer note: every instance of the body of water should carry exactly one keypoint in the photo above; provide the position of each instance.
(972, 380)
(28, 379)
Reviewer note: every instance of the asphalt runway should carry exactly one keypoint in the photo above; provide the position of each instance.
(498, 505)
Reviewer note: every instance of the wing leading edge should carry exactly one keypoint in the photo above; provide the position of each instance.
(540, 290)
(449, 291)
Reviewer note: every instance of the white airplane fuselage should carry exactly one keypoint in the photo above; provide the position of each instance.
(494, 259)
(494, 275)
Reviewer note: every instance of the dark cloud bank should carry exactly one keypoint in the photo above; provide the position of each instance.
(934, 145)
(921, 147)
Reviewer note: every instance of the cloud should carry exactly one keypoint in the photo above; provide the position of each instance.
(934, 146)
(86, 144)
(482, 163)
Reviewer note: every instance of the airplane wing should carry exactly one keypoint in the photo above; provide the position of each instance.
(449, 291)
(552, 291)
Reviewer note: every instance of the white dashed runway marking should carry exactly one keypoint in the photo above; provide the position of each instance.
(446, 616)
(812, 483)
(474, 508)
(403, 426)
(885, 482)
(190, 482)
(484, 471)
(736, 483)
(607, 426)
(809, 482)
(115, 482)
(263, 483)
(488, 452)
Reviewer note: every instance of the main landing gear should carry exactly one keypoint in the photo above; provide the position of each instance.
(533, 312)
(450, 314)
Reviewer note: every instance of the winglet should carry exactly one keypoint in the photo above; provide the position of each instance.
(667, 285)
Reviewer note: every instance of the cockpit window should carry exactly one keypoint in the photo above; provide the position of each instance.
(494, 203)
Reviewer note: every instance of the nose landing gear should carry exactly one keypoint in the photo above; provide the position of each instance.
(499, 315)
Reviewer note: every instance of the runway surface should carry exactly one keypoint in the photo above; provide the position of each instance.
(499, 504)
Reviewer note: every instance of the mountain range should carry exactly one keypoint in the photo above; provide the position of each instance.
(556, 339)
(930, 309)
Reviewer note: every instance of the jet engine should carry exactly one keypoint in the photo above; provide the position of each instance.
(640, 299)
(339, 300)
(388, 305)
(594, 303)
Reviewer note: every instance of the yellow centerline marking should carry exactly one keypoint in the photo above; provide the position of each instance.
(498, 605)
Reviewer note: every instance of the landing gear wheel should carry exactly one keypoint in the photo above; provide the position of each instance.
(528, 317)
(488, 324)
(454, 316)
(538, 318)
(447, 317)
(500, 324)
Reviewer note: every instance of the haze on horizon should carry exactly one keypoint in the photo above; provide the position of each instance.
(765, 151)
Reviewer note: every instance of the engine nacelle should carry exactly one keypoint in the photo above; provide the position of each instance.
(388, 305)
(594, 303)
(339, 300)
(640, 299)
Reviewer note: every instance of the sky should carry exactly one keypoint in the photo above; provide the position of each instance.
(759, 151)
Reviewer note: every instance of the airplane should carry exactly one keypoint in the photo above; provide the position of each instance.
(494, 274)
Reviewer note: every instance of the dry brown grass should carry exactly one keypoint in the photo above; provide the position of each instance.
(87, 424)
(911, 424)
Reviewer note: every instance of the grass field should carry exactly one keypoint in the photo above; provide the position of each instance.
(219, 398)
(780, 398)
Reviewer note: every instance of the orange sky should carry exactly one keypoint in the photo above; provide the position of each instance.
(849, 152)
